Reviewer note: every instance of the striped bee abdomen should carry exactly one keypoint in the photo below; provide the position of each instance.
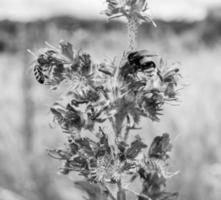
(39, 74)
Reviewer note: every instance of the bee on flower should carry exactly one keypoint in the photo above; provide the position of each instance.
(102, 102)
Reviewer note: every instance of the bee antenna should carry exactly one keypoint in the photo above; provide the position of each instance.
(50, 45)
(32, 53)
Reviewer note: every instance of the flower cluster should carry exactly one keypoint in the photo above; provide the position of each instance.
(128, 8)
(135, 11)
(100, 92)
(97, 160)
(100, 162)
(154, 170)
(97, 94)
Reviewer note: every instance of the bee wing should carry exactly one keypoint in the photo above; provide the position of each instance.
(171, 72)
(30, 67)
(145, 53)
(51, 46)
(32, 53)
(31, 64)
(145, 60)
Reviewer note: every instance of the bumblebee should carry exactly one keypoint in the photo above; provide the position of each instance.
(138, 61)
(141, 60)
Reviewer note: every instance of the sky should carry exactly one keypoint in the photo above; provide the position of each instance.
(27, 10)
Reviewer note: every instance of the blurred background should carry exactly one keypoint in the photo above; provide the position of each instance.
(189, 31)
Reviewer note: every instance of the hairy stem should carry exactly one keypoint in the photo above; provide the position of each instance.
(132, 33)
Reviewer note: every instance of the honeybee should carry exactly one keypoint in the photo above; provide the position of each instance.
(42, 60)
(47, 65)
(40, 68)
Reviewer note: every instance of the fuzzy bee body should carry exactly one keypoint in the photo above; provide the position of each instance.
(139, 61)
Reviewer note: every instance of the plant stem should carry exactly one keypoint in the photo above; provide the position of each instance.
(132, 33)
(121, 194)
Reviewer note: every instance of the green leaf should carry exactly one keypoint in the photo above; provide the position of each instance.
(135, 148)
(139, 5)
(160, 147)
(93, 191)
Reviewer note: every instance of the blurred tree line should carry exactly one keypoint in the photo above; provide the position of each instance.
(207, 31)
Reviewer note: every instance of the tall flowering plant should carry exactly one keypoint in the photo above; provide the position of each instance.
(105, 101)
